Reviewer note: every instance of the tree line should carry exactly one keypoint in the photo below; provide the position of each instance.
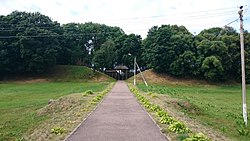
(213, 54)
(33, 43)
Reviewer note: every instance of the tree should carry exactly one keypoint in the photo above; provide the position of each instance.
(32, 42)
(184, 65)
(128, 44)
(212, 68)
(233, 44)
(80, 41)
(164, 45)
(222, 43)
(247, 56)
(37, 54)
(28, 45)
(74, 50)
(105, 57)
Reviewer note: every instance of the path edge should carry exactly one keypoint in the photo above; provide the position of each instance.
(166, 137)
(72, 132)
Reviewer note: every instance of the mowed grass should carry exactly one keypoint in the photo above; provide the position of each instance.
(219, 107)
(19, 102)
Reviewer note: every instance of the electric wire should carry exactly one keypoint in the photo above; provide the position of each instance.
(41, 35)
(200, 13)
(140, 22)
(157, 16)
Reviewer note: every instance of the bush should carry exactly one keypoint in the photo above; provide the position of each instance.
(57, 130)
(178, 127)
(167, 120)
(162, 113)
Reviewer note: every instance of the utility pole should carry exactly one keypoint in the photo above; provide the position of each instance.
(136, 65)
(134, 70)
(243, 66)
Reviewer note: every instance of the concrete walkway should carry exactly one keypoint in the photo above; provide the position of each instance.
(118, 118)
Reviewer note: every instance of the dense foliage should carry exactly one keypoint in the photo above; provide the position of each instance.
(164, 46)
(80, 41)
(214, 54)
(32, 43)
(23, 46)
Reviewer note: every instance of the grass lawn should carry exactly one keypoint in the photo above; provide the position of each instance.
(19, 102)
(219, 107)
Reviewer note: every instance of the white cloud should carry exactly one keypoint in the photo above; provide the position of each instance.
(135, 16)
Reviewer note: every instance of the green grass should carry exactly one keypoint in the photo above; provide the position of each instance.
(19, 102)
(76, 73)
(219, 107)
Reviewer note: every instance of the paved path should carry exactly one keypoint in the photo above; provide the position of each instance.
(118, 118)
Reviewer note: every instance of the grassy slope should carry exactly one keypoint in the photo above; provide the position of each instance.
(163, 79)
(20, 100)
(76, 73)
(216, 106)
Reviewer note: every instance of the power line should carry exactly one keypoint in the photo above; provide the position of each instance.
(169, 19)
(231, 22)
(200, 13)
(53, 35)
(73, 35)
(137, 22)
(158, 16)
(161, 20)
(246, 9)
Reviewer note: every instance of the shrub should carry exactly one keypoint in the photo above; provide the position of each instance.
(167, 120)
(178, 127)
(155, 108)
(162, 113)
(57, 130)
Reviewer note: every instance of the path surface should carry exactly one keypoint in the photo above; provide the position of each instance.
(118, 118)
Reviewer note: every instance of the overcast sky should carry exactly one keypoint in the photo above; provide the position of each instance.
(137, 16)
